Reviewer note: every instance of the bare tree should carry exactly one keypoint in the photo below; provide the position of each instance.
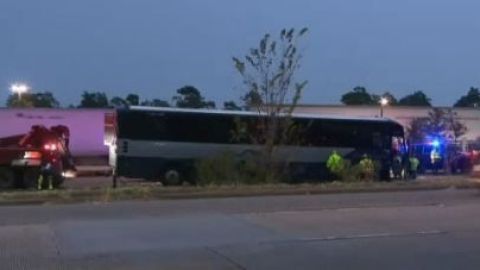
(443, 123)
(268, 72)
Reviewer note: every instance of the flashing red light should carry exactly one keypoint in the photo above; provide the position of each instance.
(50, 147)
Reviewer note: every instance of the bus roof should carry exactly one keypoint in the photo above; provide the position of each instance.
(246, 113)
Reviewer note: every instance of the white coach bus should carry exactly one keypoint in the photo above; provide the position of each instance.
(163, 143)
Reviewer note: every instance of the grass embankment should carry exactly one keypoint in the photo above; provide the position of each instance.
(157, 192)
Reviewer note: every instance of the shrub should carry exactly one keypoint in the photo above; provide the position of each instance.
(221, 169)
(227, 169)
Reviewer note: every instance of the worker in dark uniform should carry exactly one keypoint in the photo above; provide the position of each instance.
(63, 133)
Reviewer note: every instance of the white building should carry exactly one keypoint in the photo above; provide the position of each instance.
(404, 115)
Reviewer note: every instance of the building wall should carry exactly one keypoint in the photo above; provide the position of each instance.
(86, 126)
(403, 115)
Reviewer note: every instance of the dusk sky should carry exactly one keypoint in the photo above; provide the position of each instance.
(153, 47)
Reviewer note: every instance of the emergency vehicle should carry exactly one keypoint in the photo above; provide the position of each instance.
(41, 152)
(438, 155)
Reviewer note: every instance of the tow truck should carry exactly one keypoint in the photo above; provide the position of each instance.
(42, 151)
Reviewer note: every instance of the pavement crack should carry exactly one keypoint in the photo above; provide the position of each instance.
(359, 236)
(56, 244)
(226, 258)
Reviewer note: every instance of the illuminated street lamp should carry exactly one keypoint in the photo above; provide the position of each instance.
(383, 102)
(19, 89)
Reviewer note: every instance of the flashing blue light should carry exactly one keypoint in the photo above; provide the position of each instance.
(435, 143)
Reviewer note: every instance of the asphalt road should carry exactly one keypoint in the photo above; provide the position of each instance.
(405, 230)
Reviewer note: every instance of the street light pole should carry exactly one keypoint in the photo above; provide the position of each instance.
(383, 102)
(19, 89)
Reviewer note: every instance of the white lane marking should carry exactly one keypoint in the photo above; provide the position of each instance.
(361, 236)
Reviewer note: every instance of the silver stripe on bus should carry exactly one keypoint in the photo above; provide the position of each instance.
(182, 150)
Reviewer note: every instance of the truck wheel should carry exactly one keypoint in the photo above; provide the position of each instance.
(30, 178)
(172, 177)
(57, 180)
(7, 178)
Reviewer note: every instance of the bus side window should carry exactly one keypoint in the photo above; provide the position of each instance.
(377, 140)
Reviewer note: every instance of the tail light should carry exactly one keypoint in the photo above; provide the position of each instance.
(50, 147)
(32, 155)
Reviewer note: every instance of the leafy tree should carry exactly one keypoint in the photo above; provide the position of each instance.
(94, 100)
(392, 101)
(155, 103)
(252, 99)
(15, 101)
(45, 100)
(130, 100)
(118, 102)
(190, 97)
(133, 99)
(471, 99)
(418, 98)
(442, 123)
(268, 72)
(33, 100)
(358, 96)
(231, 106)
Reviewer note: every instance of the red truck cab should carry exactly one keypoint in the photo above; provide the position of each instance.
(24, 157)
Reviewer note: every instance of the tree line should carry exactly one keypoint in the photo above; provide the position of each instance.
(360, 96)
(191, 97)
(186, 97)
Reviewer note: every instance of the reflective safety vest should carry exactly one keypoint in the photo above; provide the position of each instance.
(414, 162)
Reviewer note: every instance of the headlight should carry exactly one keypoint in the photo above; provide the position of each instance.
(69, 174)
